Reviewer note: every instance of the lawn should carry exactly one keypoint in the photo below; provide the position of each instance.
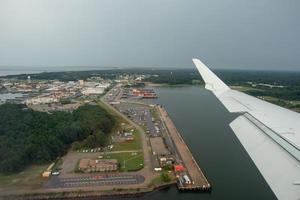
(136, 144)
(128, 161)
(293, 105)
(158, 180)
(29, 178)
(244, 88)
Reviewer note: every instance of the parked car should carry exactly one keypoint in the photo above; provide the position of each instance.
(55, 173)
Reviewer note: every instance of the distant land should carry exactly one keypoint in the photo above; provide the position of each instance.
(278, 87)
(65, 130)
(16, 70)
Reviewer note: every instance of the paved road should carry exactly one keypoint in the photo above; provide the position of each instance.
(94, 180)
(147, 171)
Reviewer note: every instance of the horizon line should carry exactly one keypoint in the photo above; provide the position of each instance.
(40, 68)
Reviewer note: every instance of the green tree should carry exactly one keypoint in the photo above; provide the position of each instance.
(165, 177)
(28, 136)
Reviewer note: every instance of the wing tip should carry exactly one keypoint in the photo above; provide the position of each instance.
(212, 82)
(197, 61)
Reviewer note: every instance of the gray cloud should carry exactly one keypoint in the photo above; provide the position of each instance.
(262, 34)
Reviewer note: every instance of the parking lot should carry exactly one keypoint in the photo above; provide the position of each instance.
(94, 180)
(142, 116)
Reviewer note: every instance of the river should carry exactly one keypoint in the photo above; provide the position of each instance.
(204, 124)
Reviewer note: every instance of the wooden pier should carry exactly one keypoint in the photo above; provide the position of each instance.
(199, 181)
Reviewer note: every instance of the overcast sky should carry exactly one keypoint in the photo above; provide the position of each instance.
(248, 34)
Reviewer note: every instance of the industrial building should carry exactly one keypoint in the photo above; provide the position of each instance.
(144, 93)
(93, 90)
(41, 100)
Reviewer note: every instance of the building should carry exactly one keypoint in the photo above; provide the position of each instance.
(81, 82)
(41, 100)
(179, 168)
(128, 136)
(98, 165)
(166, 160)
(46, 174)
(92, 90)
(144, 93)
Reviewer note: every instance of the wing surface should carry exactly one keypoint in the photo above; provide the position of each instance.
(269, 133)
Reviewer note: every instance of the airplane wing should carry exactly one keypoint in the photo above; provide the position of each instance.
(269, 133)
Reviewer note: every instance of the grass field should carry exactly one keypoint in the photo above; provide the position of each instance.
(136, 144)
(272, 99)
(128, 161)
(156, 181)
(159, 180)
(244, 88)
(29, 178)
(293, 105)
(132, 162)
(289, 104)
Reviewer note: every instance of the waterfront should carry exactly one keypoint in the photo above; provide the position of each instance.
(15, 70)
(9, 96)
(203, 123)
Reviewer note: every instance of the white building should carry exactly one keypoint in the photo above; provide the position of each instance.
(92, 90)
(41, 100)
(81, 82)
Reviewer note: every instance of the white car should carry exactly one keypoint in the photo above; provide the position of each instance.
(56, 173)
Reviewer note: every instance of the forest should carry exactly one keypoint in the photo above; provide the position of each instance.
(30, 137)
(170, 76)
(174, 76)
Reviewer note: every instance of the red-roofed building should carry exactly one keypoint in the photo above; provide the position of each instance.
(178, 168)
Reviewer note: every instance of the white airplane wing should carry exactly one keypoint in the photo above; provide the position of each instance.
(269, 133)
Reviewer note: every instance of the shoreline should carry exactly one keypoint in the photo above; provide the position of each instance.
(199, 180)
(92, 194)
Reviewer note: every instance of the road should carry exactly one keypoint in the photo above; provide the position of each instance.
(147, 171)
(138, 179)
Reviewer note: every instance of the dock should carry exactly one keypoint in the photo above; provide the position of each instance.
(199, 181)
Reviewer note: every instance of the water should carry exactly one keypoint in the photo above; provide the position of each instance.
(14, 70)
(203, 122)
(9, 96)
